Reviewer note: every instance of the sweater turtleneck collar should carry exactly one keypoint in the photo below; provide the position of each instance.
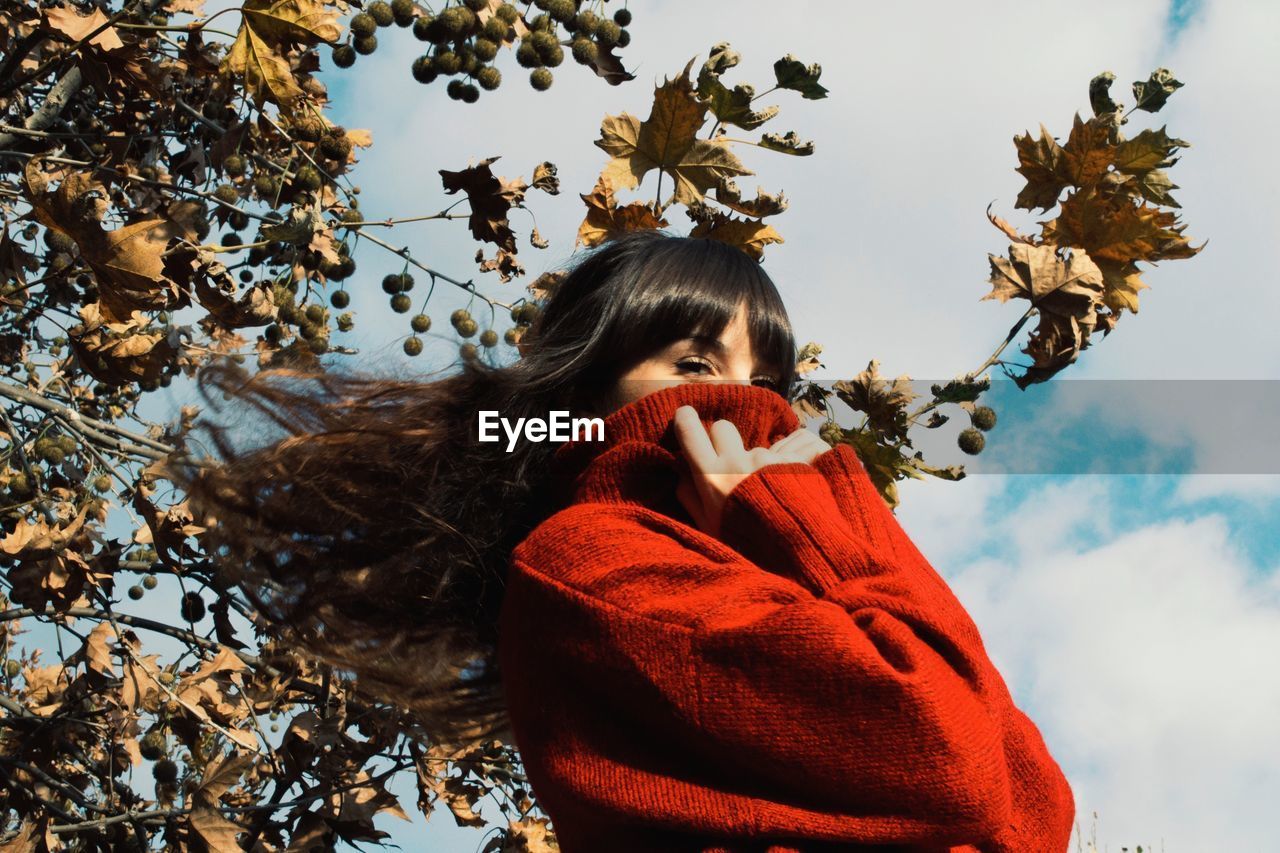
(640, 460)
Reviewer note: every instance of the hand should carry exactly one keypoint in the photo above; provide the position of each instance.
(718, 462)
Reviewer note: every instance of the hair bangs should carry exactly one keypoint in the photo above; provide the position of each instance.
(686, 288)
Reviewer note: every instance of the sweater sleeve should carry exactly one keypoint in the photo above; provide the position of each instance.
(862, 703)
(784, 499)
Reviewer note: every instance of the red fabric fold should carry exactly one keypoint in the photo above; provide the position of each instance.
(804, 682)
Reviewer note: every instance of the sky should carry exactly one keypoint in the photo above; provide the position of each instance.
(1135, 617)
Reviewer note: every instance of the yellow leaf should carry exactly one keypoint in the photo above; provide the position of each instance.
(667, 140)
(305, 22)
(267, 75)
(97, 655)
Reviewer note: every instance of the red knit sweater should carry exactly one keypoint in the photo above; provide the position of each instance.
(806, 682)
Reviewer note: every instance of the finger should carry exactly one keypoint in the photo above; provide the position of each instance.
(783, 443)
(799, 442)
(806, 448)
(693, 438)
(726, 438)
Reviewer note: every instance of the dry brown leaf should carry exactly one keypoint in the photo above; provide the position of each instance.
(491, 198)
(667, 140)
(97, 654)
(883, 401)
(605, 219)
(70, 23)
(749, 235)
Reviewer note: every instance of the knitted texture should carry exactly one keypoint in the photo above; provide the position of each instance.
(804, 682)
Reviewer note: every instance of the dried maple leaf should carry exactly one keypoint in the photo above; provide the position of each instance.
(76, 26)
(1114, 228)
(1088, 152)
(605, 219)
(267, 27)
(764, 204)
(1040, 162)
(749, 235)
(1069, 288)
(729, 106)
(667, 140)
(883, 401)
(1067, 294)
(490, 199)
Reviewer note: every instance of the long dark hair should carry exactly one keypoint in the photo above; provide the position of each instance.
(376, 533)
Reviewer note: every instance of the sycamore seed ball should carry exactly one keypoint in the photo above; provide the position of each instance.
(485, 49)
(469, 94)
(467, 327)
(192, 607)
(489, 338)
(586, 22)
(363, 24)
(413, 346)
(340, 299)
(608, 33)
(562, 10)
(458, 316)
(448, 62)
(344, 56)
(468, 351)
(402, 11)
(527, 54)
(423, 69)
(971, 441)
(136, 592)
(150, 581)
(489, 77)
(495, 29)
(365, 45)
(541, 79)
(401, 302)
(165, 770)
(622, 17)
(584, 50)
(381, 13)
(420, 323)
(983, 417)
(507, 13)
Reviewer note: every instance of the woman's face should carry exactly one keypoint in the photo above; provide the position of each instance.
(727, 359)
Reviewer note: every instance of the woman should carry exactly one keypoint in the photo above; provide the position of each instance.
(706, 631)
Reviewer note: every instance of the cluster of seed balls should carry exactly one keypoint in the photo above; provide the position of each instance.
(971, 439)
(461, 44)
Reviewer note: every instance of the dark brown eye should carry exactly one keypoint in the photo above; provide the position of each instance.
(693, 364)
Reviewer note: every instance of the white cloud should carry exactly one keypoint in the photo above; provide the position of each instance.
(1145, 658)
